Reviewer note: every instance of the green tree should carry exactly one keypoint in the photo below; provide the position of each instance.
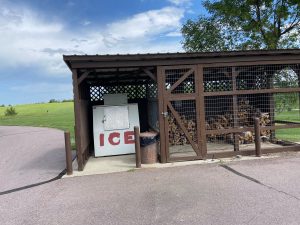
(243, 25)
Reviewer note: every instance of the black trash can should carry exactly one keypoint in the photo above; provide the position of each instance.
(148, 142)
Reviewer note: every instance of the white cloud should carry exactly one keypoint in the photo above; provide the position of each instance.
(176, 33)
(28, 40)
(149, 23)
(181, 2)
(85, 22)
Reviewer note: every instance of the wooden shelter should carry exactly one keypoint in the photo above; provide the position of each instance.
(202, 104)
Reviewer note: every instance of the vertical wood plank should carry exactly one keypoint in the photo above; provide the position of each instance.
(77, 120)
(235, 109)
(197, 102)
(138, 161)
(68, 150)
(200, 103)
(257, 137)
(160, 93)
(271, 103)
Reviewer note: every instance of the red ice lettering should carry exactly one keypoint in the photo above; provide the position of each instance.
(114, 138)
(129, 137)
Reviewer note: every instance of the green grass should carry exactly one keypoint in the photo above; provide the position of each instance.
(292, 116)
(54, 115)
(288, 134)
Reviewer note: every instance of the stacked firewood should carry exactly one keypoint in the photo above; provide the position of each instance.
(176, 134)
(245, 114)
(264, 120)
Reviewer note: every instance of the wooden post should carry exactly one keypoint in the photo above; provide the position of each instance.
(77, 114)
(137, 147)
(235, 109)
(257, 137)
(68, 149)
(200, 109)
(164, 153)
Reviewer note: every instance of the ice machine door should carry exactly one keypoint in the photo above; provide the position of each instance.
(116, 118)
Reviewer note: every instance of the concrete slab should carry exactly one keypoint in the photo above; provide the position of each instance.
(123, 163)
(103, 165)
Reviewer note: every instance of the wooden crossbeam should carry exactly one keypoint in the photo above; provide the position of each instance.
(150, 74)
(179, 81)
(83, 76)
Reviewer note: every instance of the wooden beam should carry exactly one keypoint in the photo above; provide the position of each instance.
(151, 75)
(243, 129)
(77, 121)
(137, 147)
(198, 83)
(235, 109)
(258, 91)
(162, 133)
(208, 62)
(179, 81)
(257, 137)
(181, 97)
(226, 154)
(201, 110)
(68, 150)
(83, 77)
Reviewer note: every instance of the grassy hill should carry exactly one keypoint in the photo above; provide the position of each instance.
(54, 115)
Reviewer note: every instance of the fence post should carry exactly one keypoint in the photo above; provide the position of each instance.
(68, 153)
(257, 137)
(137, 147)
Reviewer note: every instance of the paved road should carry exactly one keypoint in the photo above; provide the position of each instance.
(246, 192)
(29, 155)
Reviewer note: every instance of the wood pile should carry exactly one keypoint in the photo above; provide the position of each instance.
(264, 120)
(245, 114)
(176, 135)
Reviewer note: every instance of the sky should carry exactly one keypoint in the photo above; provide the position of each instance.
(34, 34)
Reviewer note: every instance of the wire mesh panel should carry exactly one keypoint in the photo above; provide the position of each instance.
(182, 128)
(266, 77)
(219, 116)
(187, 85)
(231, 97)
(237, 110)
(217, 79)
(255, 106)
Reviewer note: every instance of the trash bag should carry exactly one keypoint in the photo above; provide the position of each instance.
(148, 138)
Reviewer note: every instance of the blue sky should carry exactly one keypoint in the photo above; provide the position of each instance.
(36, 33)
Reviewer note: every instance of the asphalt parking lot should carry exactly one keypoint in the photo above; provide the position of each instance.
(29, 155)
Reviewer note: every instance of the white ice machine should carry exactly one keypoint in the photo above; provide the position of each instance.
(113, 129)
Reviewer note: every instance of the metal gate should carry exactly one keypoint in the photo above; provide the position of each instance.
(182, 119)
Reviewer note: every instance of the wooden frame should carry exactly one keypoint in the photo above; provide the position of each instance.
(90, 69)
(199, 97)
(166, 97)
